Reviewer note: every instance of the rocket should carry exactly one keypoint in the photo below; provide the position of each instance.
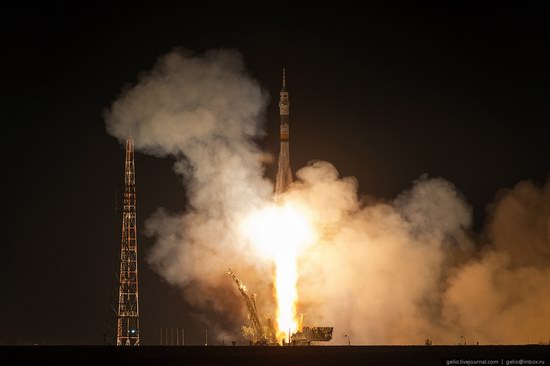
(284, 174)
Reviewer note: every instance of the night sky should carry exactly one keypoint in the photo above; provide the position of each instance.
(385, 93)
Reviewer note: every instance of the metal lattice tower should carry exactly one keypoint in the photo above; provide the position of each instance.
(128, 306)
(284, 174)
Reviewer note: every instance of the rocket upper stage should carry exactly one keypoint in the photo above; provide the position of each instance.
(284, 107)
(284, 103)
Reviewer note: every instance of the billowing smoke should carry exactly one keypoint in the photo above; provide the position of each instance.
(404, 271)
(395, 272)
(500, 295)
(204, 110)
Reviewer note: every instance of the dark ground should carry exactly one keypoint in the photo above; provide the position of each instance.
(335, 355)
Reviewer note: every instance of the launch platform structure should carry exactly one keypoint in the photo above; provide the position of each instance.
(306, 335)
(258, 334)
(128, 305)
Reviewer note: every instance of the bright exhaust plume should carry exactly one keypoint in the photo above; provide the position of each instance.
(281, 233)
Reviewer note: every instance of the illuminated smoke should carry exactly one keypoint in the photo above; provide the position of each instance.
(402, 271)
(204, 110)
(394, 272)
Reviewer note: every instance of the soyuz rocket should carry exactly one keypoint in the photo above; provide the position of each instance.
(284, 174)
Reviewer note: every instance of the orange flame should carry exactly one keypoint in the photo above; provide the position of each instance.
(281, 232)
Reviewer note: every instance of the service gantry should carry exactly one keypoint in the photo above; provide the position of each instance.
(128, 305)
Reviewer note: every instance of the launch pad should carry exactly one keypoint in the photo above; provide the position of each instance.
(265, 335)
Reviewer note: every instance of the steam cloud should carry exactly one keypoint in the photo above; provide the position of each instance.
(393, 272)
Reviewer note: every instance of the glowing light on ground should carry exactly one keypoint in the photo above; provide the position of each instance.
(282, 232)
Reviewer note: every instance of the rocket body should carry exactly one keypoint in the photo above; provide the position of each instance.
(284, 173)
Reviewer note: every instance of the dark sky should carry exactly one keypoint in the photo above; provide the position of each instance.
(386, 93)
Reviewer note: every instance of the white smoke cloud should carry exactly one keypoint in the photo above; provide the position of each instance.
(377, 277)
(407, 270)
(393, 272)
(205, 110)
